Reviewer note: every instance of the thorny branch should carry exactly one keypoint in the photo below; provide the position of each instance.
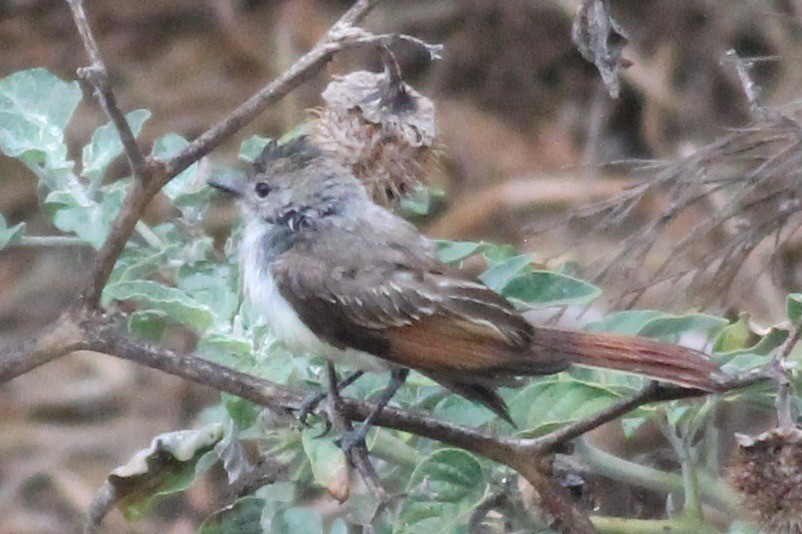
(84, 327)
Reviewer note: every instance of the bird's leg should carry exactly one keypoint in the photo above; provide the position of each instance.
(313, 399)
(354, 438)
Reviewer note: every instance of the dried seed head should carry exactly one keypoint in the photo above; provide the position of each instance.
(381, 128)
(767, 474)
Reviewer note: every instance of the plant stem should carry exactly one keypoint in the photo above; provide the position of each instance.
(390, 448)
(52, 241)
(603, 463)
(680, 525)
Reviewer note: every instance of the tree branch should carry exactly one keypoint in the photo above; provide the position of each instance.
(98, 77)
(518, 453)
(153, 173)
(335, 40)
(61, 338)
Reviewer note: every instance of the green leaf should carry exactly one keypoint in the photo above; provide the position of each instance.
(418, 203)
(10, 236)
(630, 424)
(461, 411)
(674, 325)
(243, 516)
(454, 251)
(214, 284)
(546, 288)
(176, 304)
(794, 307)
(497, 277)
(740, 527)
(169, 465)
(166, 147)
(106, 145)
(550, 403)
(625, 322)
(296, 521)
(72, 211)
(735, 336)
(497, 254)
(252, 147)
(148, 324)
(243, 412)
(442, 492)
(35, 107)
(329, 464)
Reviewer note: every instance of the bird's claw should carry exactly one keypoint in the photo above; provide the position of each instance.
(308, 407)
(352, 440)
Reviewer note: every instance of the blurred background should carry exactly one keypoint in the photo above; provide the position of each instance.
(525, 124)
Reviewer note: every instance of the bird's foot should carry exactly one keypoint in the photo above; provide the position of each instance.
(308, 407)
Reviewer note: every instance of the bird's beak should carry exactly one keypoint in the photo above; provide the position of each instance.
(229, 183)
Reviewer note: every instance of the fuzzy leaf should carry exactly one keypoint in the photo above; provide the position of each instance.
(296, 521)
(735, 336)
(169, 465)
(106, 145)
(794, 307)
(329, 464)
(35, 107)
(551, 403)
(167, 146)
(624, 322)
(10, 236)
(176, 304)
(252, 147)
(213, 284)
(546, 288)
(442, 492)
(674, 325)
(72, 211)
(461, 411)
(497, 277)
(454, 251)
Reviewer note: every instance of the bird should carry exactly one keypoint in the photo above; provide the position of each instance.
(336, 276)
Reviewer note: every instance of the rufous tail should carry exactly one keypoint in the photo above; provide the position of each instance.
(630, 354)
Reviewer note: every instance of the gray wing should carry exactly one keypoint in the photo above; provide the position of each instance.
(385, 293)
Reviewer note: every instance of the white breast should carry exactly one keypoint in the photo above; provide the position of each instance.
(260, 288)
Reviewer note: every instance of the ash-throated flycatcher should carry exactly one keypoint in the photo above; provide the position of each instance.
(337, 276)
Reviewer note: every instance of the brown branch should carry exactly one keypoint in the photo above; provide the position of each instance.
(358, 456)
(520, 454)
(81, 329)
(98, 77)
(61, 338)
(153, 173)
(562, 512)
(335, 40)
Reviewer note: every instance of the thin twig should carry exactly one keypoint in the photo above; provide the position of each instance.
(358, 456)
(98, 77)
(51, 241)
(307, 65)
(156, 173)
(63, 336)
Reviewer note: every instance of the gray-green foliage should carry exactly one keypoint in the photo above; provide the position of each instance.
(175, 277)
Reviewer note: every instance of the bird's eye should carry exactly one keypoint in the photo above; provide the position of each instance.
(263, 189)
